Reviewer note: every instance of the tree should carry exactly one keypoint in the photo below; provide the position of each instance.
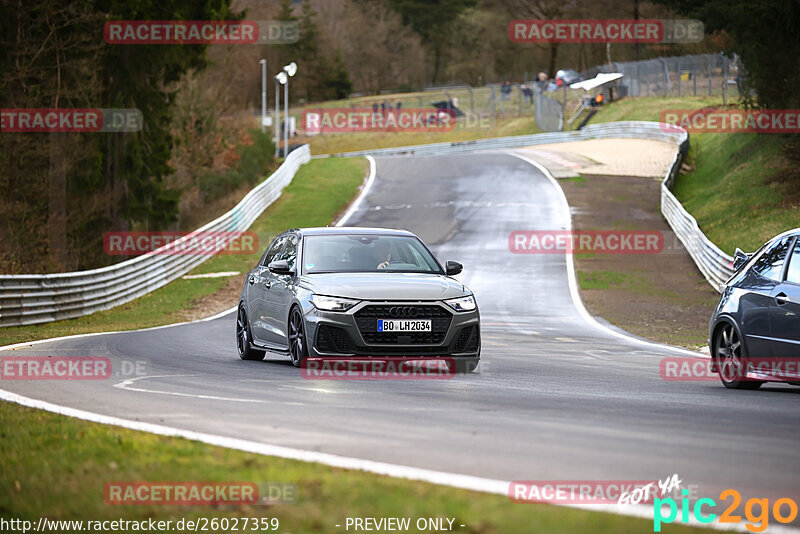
(432, 20)
(48, 61)
(138, 76)
(764, 35)
(322, 72)
(62, 194)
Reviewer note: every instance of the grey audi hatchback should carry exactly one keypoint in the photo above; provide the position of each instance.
(754, 333)
(356, 292)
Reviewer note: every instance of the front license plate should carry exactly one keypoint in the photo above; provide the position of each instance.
(404, 325)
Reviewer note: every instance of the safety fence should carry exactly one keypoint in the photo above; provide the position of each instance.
(712, 262)
(701, 74)
(42, 298)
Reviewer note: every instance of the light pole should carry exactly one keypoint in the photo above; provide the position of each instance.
(280, 79)
(288, 71)
(263, 95)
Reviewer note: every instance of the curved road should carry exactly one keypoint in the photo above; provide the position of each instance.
(555, 397)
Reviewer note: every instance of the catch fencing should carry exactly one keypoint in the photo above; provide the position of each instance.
(41, 298)
(548, 113)
(702, 74)
(689, 75)
(711, 261)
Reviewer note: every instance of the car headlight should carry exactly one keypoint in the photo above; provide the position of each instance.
(462, 304)
(335, 304)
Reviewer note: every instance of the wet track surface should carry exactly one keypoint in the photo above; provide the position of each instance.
(555, 396)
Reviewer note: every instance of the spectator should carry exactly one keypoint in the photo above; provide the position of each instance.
(542, 81)
(399, 106)
(527, 93)
(505, 90)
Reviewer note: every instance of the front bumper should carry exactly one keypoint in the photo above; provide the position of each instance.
(353, 333)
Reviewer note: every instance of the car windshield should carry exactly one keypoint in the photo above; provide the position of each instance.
(366, 253)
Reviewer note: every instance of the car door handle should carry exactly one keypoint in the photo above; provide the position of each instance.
(268, 284)
(781, 299)
(252, 280)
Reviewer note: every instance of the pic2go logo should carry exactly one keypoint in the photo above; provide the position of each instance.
(757, 522)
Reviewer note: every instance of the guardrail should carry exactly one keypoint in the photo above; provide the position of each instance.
(41, 298)
(712, 262)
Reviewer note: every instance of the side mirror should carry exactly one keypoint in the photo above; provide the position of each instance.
(739, 259)
(280, 267)
(453, 267)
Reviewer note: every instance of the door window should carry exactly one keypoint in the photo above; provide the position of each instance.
(289, 251)
(793, 273)
(276, 247)
(770, 264)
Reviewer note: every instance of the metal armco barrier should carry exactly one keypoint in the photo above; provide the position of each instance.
(41, 298)
(712, 262)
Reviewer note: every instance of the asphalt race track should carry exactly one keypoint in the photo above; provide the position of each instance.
(556, 397)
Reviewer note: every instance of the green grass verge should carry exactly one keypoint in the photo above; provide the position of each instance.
(636, 283)
(57, 467)
(335, 143)
(320, 190)
(649, 109)
(600, 279)
(732, 191)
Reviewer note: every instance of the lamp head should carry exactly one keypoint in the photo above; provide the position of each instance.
(290, 69)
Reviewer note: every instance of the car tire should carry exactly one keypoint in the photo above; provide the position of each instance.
(243, 337)
(730, 357)
(298, 350)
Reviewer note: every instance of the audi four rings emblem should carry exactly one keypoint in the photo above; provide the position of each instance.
(403, 311)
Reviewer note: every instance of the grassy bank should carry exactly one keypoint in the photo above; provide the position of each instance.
(736, 189)
(738, 185)
(320, 190)
(650, 108)
(57, 467)
(335, 143)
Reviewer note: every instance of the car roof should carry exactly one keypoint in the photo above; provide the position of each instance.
(352, 230)
(793, 232)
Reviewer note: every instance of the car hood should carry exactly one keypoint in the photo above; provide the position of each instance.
(385, 286)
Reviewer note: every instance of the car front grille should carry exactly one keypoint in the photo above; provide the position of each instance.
(367, 322)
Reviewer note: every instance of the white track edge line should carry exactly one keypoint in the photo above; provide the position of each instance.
(364, 191)
(573, 282)
(454, 480)
(92, 334)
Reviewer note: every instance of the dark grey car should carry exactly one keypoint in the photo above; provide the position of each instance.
(754, 333)
(356, 292)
